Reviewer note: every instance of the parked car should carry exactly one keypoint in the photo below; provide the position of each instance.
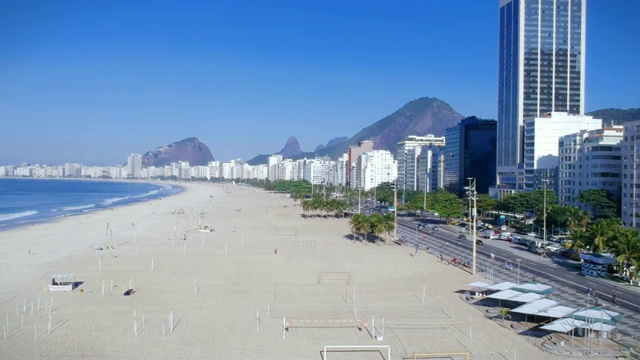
(532, 234)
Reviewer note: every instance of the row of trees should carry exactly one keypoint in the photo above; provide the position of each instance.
(374, 223)
(597, 229)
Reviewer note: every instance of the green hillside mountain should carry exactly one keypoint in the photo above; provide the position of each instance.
(612, 116)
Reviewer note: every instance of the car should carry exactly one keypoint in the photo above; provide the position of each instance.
(436, 214)
(479, 242)
(554, 248)
(532, 234)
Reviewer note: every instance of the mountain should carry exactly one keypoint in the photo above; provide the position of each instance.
(612, 116)
(420, 117)
(190, 149)
(290, 150)
(331, 142)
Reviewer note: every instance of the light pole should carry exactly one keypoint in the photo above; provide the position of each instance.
(471, 191)
(395, 211)
(544, 219)
(519, 270)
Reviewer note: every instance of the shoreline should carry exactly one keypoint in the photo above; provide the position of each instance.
(226, 294)
(11, 224)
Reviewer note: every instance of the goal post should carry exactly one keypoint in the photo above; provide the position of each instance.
(441, 355)
(334, 276)
(351, 348)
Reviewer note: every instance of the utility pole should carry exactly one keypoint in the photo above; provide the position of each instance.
(544, 219)
(471, 191)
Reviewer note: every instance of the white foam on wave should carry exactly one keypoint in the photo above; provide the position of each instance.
(153, 192)
(72, 208)
(17, 215)
(113, 200)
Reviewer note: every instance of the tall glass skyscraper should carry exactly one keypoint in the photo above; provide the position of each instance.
(541, 69)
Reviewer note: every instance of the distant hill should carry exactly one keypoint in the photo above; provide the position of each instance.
(290, 150)
(420, 117)
(190, 149)
(612, 116)
(332, 142)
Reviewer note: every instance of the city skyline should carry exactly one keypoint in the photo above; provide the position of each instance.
(90, 83)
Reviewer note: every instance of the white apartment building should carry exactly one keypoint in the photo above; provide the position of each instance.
(409, 151)
(378, 166)
(431, 168)
(318, 171)
(341, 170)
(134, 165)
(541, 136)
(589, 159)
(273, 164)
(630, 157)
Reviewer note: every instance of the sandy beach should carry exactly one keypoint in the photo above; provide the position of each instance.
(226, 294)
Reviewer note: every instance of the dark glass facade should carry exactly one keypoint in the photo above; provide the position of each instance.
(541, 69)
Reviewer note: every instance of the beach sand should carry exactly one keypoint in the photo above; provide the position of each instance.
(229, 292)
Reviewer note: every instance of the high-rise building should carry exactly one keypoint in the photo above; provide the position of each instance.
(134, 165)
(354, 164)
(630, 157)
(410, 175)
(541, 70)
(470, 153)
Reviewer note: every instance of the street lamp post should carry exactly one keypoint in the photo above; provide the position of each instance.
(395, 211)
(519, 270)
(472, 197)
(544, 219)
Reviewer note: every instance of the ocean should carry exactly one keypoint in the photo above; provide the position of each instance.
(28, 201)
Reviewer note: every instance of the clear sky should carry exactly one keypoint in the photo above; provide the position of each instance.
(93, 81)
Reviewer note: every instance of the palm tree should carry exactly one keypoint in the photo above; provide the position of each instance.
(360, 223)
(377, 224)
(598, 235)
(585, 218)
(578, 240)
(389, 223)
(627, 249)
(574, 217)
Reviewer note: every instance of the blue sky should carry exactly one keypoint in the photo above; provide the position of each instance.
(93, 81)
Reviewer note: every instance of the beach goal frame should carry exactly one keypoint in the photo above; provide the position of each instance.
(334, 276)
(352, 348)
(441, 355)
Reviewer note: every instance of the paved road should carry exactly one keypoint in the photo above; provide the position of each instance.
(571, 286)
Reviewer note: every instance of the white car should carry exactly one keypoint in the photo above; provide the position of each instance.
(554, 248)
(532, 234)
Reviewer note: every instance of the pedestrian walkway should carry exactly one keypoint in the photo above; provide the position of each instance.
(500, 270)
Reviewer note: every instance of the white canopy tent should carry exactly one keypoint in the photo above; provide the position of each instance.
(535, 287)
(534, 307)
(556, 311)
(502, 286)
(565, 325)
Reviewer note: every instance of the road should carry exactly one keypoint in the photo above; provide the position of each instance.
(563, 273)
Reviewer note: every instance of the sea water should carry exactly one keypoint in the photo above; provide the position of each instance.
(28, 201)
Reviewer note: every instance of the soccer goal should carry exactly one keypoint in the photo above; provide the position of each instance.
(460, 355)
(358, 348)
(334, 276)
